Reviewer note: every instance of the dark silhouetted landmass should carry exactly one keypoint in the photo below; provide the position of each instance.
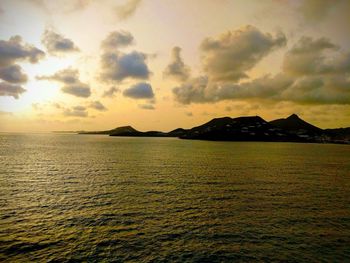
(293, 124)
(130, 131)
(119, 130)
(339, 134)
(177, 132)
(238, 129)
(252, 128)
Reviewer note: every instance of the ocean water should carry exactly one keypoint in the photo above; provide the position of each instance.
(72, 198)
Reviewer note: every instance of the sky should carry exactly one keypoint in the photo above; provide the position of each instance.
(68, 65)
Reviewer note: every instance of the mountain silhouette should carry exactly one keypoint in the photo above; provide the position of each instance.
(177, 132)
(135, 133)
(251, 128)
(339, 134)
(293, 124)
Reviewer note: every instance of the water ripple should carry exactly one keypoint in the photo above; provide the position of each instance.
(69, 198)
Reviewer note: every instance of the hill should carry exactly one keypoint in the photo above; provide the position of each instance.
(293, 124)
(251, 128)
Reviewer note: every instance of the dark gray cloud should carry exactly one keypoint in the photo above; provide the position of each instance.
(229, 56)
(97, 106)
(118, 66)
(57, 44)
(177, 68)
(11, 52)
(77, 111)
(110, 93)
(77, 89)
(146, 106)
(14, 50)
(117, 39)
(128, 9)
(72, 85)
(11, 90)
(139, 91)
(13, 74)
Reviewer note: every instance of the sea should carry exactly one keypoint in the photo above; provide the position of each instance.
(95, 198)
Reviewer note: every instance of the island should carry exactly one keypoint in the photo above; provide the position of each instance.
(251, 128)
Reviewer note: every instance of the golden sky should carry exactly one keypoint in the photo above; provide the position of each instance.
(164, 64)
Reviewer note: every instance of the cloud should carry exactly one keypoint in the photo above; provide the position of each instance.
(77, 111)
(77, 89)
(306, 57)
(13, 74)
(118, 66)
(66, 76)
(128, 9)
(62, 6)
(7, 89)
(72, 85)
(319, 90)
(229, 56)
(316, 90)
(57, 44)
(139, 91)
(11, 52)
(14, 50)
(193, 91)
(311, 74)
(110, 92)
(177, 68)
(146, 106)
(117, 39)
(281, 87)
(97, 106)
(202, 90)
(317, 10)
